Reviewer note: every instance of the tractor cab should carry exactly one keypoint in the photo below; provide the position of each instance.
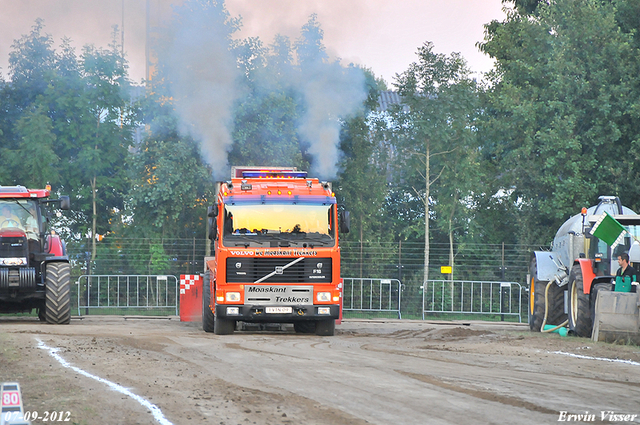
(605, 258)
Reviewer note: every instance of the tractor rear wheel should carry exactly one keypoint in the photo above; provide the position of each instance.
(580, 320)
(58, 293)
(208, 319)
(555, 313)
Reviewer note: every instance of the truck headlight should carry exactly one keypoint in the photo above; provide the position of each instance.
(233, 297)
(323, 297)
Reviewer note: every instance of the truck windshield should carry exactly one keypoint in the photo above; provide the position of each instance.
(252, 224)
(21, 214)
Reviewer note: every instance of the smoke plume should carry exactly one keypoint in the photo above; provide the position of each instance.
(204, 75)
(331, 92)
(206, 83)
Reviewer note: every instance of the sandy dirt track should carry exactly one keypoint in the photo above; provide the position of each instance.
(370, 372)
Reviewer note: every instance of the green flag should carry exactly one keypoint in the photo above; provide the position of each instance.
(608, 230)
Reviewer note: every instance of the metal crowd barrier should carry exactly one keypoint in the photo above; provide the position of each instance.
(134, 294)
(472, 297)
(372, 295)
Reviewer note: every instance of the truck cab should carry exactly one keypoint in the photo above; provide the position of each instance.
(277, 256)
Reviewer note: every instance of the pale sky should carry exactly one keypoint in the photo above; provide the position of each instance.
(379, 34)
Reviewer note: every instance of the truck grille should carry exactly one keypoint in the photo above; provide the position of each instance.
(250, 270)
(276, 294)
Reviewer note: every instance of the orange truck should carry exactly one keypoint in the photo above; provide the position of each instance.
(276, 257)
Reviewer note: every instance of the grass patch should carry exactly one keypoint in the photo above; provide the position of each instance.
(125, 311)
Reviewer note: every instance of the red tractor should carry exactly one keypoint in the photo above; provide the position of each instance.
(34, 265)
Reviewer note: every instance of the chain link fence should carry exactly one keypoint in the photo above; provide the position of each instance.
(405, 262)
(360, 260)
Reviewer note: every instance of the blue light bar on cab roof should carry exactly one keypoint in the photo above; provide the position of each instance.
(280, 199)
(271, 174)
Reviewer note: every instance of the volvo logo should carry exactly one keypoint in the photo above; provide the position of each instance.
(319, 265)
(238, 265)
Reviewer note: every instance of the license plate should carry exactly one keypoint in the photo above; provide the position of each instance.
(280, 310)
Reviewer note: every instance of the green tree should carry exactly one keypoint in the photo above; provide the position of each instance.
(310, 48)
(435, 136)
(69, 121)
(158, 260)
(171, 187)
(562, 110)
(31, 71)
(363, 180)
(36, 151)
(266, 116)
(31, 65)
(97, 139)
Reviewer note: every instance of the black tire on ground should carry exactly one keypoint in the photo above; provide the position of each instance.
(555, 315)
(602, 286)
(325, 327)
(58, 293)
(41, 314)
(580, 320)
(308, 327)
(208, 319)
(224, 326)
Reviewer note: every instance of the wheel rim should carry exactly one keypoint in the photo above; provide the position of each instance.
(532, 291)
(574, 304)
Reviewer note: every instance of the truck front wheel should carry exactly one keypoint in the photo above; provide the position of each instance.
(325, 327)
(208, 318)
(58, 294)
(307, 327)
(224, 326)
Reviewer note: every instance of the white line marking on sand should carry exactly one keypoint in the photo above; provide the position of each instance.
(155, 410)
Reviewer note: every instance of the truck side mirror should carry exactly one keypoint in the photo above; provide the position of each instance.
(212, 213)
(345, 221)
(65, 203)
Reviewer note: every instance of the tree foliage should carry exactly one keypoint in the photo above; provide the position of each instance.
(170, 188)
(551, 128)
(435, 138)
(561, 113)
(70, 124)
(363, 181)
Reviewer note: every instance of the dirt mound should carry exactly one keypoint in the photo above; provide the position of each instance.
(460, 333)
